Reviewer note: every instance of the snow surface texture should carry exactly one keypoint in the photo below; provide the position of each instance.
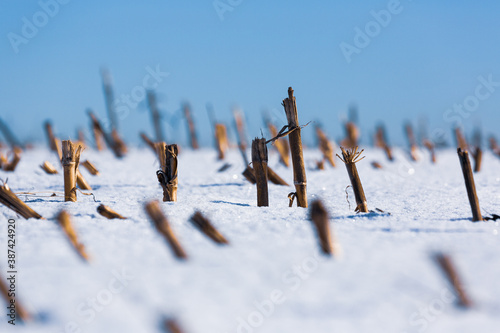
(271, 277)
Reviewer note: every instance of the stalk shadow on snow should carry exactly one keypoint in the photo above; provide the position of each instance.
(230, 203)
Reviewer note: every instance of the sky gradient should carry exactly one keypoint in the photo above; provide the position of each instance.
(419, 63)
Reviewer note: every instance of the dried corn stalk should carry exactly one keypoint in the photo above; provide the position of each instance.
(16, 157)
(325, 146)
(70, 160)
(167, 175)
(350, 157)
(204, 225)
(163, 227)
(109, 213)
(90, 167)
(9, 199)
(221, 140)
(10, 298)
(49, 168)
(64, 219)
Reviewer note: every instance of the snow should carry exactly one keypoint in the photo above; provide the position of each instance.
(271, 277)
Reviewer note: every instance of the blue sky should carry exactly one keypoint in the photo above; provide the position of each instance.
(428, 57)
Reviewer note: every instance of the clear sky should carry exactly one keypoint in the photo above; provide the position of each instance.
(416, 64)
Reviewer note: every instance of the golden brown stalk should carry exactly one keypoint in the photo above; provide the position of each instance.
(281, 145)
(478, 158)
(81, 137)
(171, 326)
(240, 128)
(495, 148)
(12, 300)
(319, 217)
(325, 146)
(50, 136)
(249, 174)
(294, 138)
(412, 141)
(320, 164)
(118, 146)
(376, 165)
(90, 167)
(64, 219)
(3, 160)
(381, 142)
(430, 146)
(352, 135)
(460, 139)
(221, 140)
(192, 131)
(148, 141)
(274, 178)
(16, 157)
(81, 181)
(70, 160)
(9, 199)
(350, 157)
(446, 265)
(469, 184)
(167, 175)
(109, 213)
(99, 138)
(204, 225)
(48, 168)
(161, 223)
(259, 162)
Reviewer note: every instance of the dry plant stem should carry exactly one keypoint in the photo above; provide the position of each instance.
(274, 178)
(259, 162)
(148, 141)
(155, 116)
(64, 220)
(82, 182)
(320, 165)
(319, 216)
(90, 167)
(192, 131)
(412, 141)
(167, 175)
(352, 135)
(11, 166)
(281, 146)
(3, 160)
(98, 138)
(240, 128)
(9, 199)
(249, 174)
(20, 311)
(48, 168)
(460, 139)
(430, 146)
(376, 165)
(350, 157)
(119, 147)
(478, 159)
(70, 160)
(171, 326)
(448, 268)
(161, 223)
(81, 137)
(221, 140)
(469, 184)
(381, 142)
(294, 138)
(109, 213)
(204, 225)
(50, 136)
(325, 146)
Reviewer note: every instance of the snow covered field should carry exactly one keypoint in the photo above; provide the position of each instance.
(271, 277)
